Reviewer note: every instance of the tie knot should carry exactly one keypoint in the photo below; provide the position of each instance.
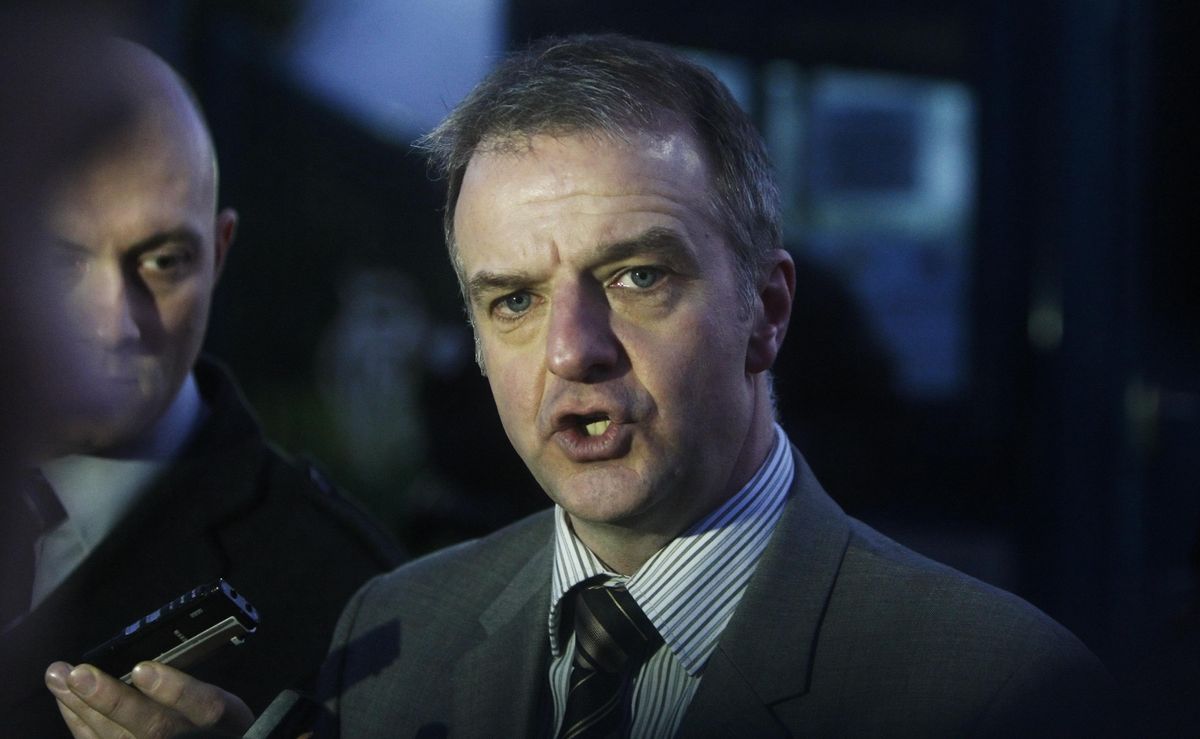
(612, 634)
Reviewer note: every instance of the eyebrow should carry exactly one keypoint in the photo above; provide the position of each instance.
(485, 283)
(184, 234)
(662, 243)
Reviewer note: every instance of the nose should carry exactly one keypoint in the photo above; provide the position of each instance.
(105, 305)
(581, 345)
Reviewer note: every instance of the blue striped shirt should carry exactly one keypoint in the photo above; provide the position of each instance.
(689, 589)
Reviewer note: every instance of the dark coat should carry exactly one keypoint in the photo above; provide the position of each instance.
(231, 506)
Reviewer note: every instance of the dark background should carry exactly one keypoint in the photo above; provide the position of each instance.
(1062, 466)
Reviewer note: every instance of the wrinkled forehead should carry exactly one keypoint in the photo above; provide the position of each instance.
(579, 200)
(526, 168)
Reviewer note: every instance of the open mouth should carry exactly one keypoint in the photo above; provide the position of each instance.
(596, 425)
(593, 437)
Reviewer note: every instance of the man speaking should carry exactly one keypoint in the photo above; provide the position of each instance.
(615, 226)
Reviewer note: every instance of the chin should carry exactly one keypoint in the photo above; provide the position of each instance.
(609, 513)
(614, 505)
(101, 429)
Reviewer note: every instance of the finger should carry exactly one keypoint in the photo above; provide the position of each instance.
(110, 708)
(56, 681)
(203, 704)
(78, 728)
(83, 721)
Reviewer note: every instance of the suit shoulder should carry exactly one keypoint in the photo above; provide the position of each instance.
(471, 568)
(927, 595)
(333, 518)
(945, 628)
(980, 659)
(260, 485)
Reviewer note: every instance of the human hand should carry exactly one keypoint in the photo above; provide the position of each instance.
(162, 702)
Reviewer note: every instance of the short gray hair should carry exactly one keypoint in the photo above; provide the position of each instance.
(612, 85)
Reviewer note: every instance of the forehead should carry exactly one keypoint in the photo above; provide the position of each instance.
(553, 187)
(134, 186)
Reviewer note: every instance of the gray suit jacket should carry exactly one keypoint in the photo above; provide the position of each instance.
(842, 632)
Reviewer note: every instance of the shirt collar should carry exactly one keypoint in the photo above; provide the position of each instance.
(690, 587)
(96, 491)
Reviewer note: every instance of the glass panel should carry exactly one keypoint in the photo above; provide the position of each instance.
(879, 185)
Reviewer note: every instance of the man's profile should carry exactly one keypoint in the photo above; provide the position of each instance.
(158, 475)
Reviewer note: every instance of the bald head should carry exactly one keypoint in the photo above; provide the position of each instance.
(141, 246)
(162, 112)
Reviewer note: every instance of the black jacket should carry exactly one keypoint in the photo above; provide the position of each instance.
(231, 506)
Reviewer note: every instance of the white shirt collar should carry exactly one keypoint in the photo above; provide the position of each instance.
(98, 491)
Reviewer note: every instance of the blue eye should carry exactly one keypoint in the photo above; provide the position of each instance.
(641, 278)
(518, 302)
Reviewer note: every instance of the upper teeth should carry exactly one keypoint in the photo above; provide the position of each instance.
(595, 428)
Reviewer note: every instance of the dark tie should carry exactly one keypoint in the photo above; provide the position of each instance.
(612, 640)
(27, 513)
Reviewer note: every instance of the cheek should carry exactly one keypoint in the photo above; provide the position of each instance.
(693, 359)
(184, 317)
(515, 394)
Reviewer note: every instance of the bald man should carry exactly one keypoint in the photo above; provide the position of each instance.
(162, 478)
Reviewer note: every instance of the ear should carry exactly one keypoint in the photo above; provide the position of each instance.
(775, 293)
(226, 230)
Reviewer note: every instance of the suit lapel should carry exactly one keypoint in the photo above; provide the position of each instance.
(501, 684)
(763, 662)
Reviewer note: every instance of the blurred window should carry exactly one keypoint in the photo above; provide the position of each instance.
(395, 67)
(878, 179)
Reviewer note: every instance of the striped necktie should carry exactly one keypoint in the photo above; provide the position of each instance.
(612, 640)
(27, 514)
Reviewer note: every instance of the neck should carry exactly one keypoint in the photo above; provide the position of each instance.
(621, 549)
